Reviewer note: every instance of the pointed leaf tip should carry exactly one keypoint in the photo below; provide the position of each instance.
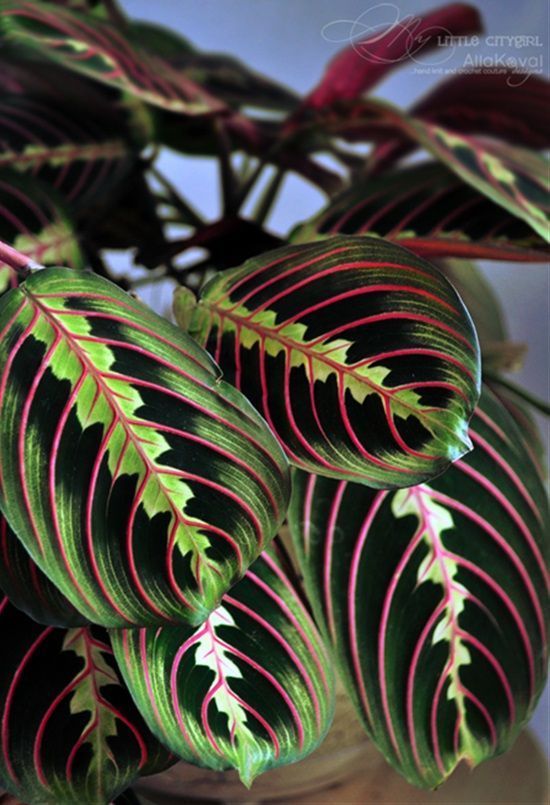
(250, 689)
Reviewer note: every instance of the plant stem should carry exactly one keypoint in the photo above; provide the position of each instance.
(228, 180)
(268, 197)
(192, 216)
(519, 391)
(268, 157)
(14, 259)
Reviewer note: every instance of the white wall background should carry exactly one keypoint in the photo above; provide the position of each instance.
(284, 39)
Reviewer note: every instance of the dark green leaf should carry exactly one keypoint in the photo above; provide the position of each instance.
(431, 211)
(435, 599)
(140, 482)
(70, 731)
(252, 688)
(28, 588)
(80, 159)
(359, 355)
(35, 219)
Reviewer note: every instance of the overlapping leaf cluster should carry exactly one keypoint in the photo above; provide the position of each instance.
(144, 466)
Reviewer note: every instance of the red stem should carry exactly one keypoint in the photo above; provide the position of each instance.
(14, 259)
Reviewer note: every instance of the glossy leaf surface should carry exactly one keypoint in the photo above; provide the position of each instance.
(359, 355)
(98, 50)
(69, 729)
(429, 210)
(252, 688)
(435, 599)
(138, 480)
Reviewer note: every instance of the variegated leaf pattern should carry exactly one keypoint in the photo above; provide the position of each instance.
(141, 483)
(98, 50)
(28, 588)
(80, 157)
(34, 218)
(69, 729)
(252, 688)
(478, 103)
(429, 210)
(360, 356)
(435, 599)
(513, 177)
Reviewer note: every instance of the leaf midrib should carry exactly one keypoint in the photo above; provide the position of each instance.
(115, 408)
(266, 333)
(75, 152)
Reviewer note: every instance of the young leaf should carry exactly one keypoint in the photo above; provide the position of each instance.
(357, 68)
(252, 688)
(28, 588)
(430, 211)
(69, 729)
(34, 218)
(100, 51)
(360, 356)
(141, 483)
(435, 599)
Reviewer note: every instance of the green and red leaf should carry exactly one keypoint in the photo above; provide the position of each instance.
(430, 211)
(498, 352)
(139, 481)
(98, 50)
(35, 219)
(504, 104)
(69, 729)
(28, 588)
(514, 178)
(252, 688)
(360, 356)
(435, 599)
(522, 412)
(221, 75)
(80, 159)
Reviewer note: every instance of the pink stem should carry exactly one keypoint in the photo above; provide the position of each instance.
(14, 259)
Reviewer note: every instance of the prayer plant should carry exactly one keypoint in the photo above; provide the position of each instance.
(334, 380)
